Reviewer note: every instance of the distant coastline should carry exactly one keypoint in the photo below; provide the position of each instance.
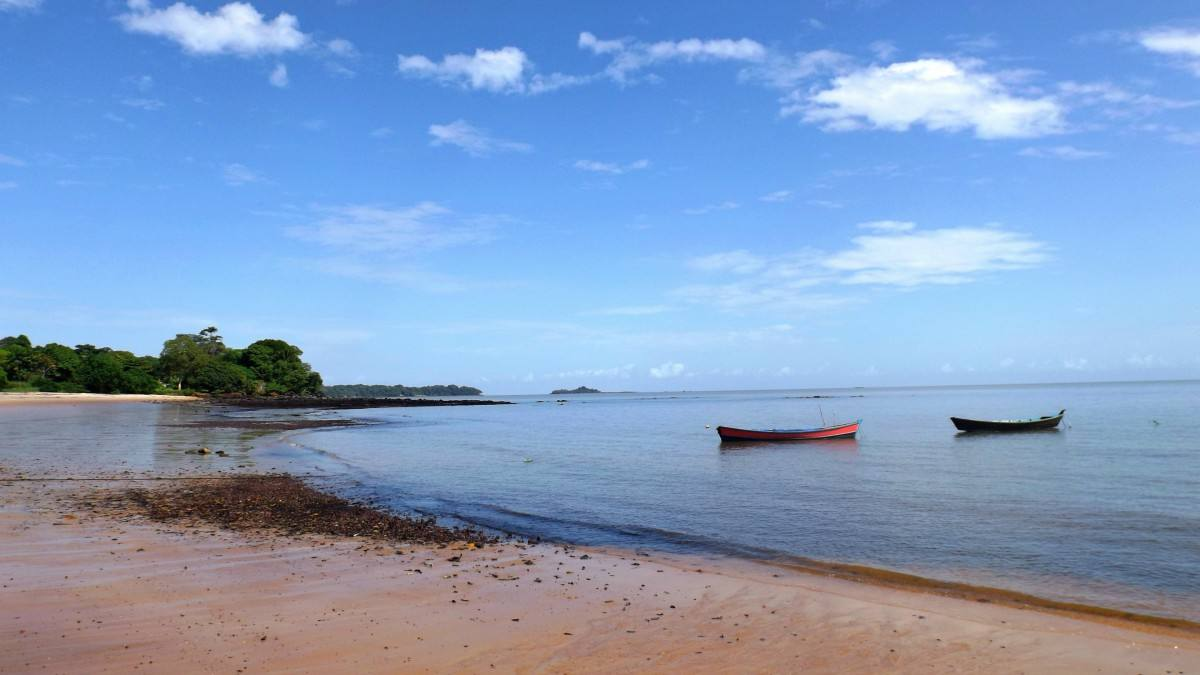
(576, 390)
(397, 390)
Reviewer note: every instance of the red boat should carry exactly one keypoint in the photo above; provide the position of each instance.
(821, 433)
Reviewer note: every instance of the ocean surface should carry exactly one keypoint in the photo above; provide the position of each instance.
(1104, 510)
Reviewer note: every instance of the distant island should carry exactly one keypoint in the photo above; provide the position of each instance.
(577, 390)
(397, 390)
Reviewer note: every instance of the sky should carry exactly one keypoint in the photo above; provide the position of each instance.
(528, 195)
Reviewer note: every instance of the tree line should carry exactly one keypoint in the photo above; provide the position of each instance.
(397, 390)
(188, 363)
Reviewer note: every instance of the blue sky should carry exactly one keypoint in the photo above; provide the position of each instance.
(523, 196)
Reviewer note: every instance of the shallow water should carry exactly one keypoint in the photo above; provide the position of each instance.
(1103, 511)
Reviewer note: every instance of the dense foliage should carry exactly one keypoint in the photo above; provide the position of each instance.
(397, 390)
(198, 362)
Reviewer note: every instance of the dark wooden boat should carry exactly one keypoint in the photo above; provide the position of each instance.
(820, 433)
(1047, 422)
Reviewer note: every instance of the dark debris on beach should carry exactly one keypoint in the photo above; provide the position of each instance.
(267, 425)
(328, 403)
(283, 504)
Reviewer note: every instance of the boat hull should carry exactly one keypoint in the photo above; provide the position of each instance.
(823, 433)
(1041, 423)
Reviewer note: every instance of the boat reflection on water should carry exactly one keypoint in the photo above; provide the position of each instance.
(819, 444)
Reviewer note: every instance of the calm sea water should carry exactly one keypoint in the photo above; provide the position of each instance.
(1105, 510)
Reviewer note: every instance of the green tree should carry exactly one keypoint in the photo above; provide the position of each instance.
(101, 373)
(181, 357)
(278, 366)
(221, 377)
(64, 362)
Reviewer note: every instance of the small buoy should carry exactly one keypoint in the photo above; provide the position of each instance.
(707, 426)
(528, 460)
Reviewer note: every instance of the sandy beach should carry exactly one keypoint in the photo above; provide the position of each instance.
(43, 398)
(93, 591)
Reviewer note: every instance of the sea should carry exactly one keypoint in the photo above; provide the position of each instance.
(1104, 511)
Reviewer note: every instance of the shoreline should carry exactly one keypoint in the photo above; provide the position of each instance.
(89, 587)
(51, 398)
(89, 584)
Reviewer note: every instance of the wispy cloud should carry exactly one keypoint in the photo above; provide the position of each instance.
(8, 185)
(363, 228)
(507, 70)
(709, 208)
(627, 56)
(911, 257)
(896, 254)
(18, 5)
(668, 370)
(1067, 152)
(1182, 44)
(239, 174)
(279, 76)
(9, 160)
(938, 94)
(888, 226)
(630, 310)
(235, 28)
(473, 140)
(613, 168)
(777, 196)
(149, 104)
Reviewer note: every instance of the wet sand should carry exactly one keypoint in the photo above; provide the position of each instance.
(100, 592)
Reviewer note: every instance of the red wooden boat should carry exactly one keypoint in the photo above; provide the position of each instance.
(837, 431)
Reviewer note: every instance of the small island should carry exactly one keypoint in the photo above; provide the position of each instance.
(577, 390)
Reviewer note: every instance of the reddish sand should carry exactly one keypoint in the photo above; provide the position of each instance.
(87, 593)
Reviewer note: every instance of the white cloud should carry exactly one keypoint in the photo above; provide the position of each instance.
(239, 174)
(279, 76)
(500, 70)
(884, 50)
(1116, 102)
(236, 28)
(622, 372)
(1068, 152)
(342, 48)
(668, 370)
(506, 70)
(629, 56)
(825, 203)
(946, 256)
(777, 196)
(149, 104)
(738, 262)
(896, 254)
(611, 167)
(362, 228)
(8, 185)
(1180, 43)
(888, 225)
(473, 140)
(9, 160)
(938, 94)
(789, 71)
(709, 208)
(15, 5)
